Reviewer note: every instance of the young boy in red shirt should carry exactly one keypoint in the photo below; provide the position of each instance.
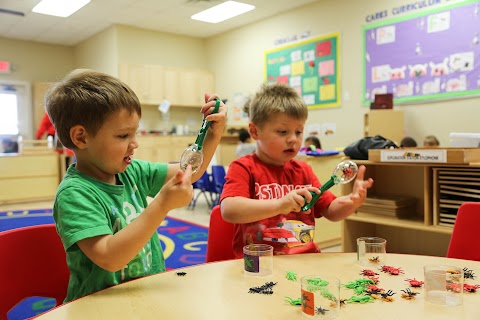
(264, 192)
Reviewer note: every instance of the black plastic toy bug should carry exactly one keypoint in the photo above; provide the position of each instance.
(468, 274)
(408, 294)
(181, 274)
(387, 296)
(320, 310)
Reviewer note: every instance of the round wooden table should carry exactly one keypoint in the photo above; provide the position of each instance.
(221, 291)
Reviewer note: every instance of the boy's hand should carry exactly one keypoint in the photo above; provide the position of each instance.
(218, 119)
(176, 192)
(359, 192)
(296, 199)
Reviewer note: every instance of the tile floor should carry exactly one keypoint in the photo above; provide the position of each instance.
(200, 214)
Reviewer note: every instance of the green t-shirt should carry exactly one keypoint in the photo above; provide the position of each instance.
(85, 207)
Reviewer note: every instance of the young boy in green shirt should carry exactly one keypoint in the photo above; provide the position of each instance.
(108, 229)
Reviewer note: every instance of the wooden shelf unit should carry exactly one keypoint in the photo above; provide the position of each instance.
(420, 234)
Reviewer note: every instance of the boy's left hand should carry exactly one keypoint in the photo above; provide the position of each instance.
(218, 119)
(360, 186)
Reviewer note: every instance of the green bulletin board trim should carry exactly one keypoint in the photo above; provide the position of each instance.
(311, 66)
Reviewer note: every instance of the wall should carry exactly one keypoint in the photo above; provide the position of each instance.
(34, 61)
(99, 52)
(245, 46)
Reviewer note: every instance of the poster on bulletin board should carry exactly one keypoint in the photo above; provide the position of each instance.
(311, 67)
(426, 56)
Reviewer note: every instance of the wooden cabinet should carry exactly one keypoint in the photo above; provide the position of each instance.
(154, 83)
(418, 234)
(185, 87)
(389, 124)
(162, 148)
(147, 81)
(31, 177)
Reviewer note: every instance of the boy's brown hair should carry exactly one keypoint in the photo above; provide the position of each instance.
(276, 98)
(87, 97)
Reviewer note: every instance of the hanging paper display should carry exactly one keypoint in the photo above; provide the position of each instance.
(311, 67)
(425, 56)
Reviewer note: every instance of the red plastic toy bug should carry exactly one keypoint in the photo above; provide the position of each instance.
(368, 273)
(470, 288)
(415, 283)
(395, 271)
(455, 287)
(374, 279)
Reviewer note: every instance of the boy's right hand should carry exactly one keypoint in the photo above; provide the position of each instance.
(176, 192)
(296, 199)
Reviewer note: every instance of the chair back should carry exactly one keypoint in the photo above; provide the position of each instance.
(462, 243)
(33, 264)
(218, 178)
(220, 237)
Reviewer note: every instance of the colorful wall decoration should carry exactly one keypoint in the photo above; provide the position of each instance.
(311, 67)
(424, 56)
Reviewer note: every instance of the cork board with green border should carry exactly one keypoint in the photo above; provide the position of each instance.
(311, 67)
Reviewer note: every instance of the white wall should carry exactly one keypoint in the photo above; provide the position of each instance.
(236, 58)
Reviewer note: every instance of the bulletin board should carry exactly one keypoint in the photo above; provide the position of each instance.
(311, 67)
(426, 56)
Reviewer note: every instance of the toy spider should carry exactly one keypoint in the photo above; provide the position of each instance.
(181, 274)
(368, 273)
(374, 259)
(468, 274)
(408, 294)
(470, 288)
(320, 310)
(387, 296)
(415, 283)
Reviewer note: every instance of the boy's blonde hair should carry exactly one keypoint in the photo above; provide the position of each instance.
(276, 98)
(86, 97)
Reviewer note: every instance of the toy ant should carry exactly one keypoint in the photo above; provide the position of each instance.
(468, 274)
(374, 259)
(368, 273)
(415, 283)
(392, 270)
(408, 294)
(320, 310)
(470, 288)
(181, 274)
(387, 296)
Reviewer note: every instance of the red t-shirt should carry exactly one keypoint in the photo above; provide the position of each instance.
(288, 233)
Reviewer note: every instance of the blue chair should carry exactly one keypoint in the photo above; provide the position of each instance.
(204, 186)
(218, 180)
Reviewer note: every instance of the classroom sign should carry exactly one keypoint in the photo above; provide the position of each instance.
(425, 56)
(311, 67)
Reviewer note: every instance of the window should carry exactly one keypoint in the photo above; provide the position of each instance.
(8, 110)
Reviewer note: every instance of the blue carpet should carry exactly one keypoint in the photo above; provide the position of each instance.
(184, 244)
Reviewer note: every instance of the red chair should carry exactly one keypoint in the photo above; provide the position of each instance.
(463, 243)
(33, 264)
(220, 237)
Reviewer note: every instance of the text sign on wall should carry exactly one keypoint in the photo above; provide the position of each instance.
(311, 67)
(429, 55)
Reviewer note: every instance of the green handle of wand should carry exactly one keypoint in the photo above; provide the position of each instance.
(315, 196)
(205, 126)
